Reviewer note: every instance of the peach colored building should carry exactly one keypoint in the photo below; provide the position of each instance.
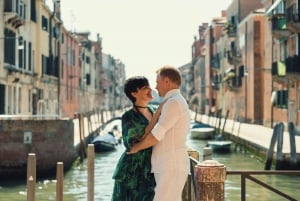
(197, 98)
(47, 70)
(251, 69)
(70, 73)
(284, 60)
(30, 65)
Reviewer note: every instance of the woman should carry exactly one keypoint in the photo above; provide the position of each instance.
(133, 178)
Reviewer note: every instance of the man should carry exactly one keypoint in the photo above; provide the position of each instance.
(170, 160)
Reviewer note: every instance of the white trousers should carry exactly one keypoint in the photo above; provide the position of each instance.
(169, 185)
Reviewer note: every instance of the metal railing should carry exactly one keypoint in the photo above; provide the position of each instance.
(249, 175)
(244, 175)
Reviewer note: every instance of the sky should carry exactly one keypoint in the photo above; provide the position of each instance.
(143, 34)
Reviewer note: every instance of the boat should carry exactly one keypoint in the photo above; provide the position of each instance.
(105, 142)
(199, 125)
(220, 145)
(117, 133)
(202, 133)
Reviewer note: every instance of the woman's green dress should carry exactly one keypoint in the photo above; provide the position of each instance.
(133, 178)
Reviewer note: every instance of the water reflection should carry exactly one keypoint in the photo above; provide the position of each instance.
(75, 181)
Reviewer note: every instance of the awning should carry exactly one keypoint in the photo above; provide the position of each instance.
(228, 76)
(274, 5)
(274, 98)
(281, 68)
(229, 70)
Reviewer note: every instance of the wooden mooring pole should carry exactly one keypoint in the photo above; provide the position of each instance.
(82, 152)
(31, 176)
(59, 181)
(207, 153)
(91, 167)
(210, 176)
(188, 190)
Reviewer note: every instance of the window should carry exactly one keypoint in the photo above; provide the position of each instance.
(88, 79)
(44, 64)
(73, 57)
(9, 47)
(33, 11)
(22, 52)
(282, 99)
(62, 38)
(19, 100)
(87, 60)
(21, 64)
(29, 56)
(44, 23)
(14, 97)
(29, 100)
(298, 99)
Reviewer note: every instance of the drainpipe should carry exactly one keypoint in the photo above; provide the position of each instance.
(55, 12)
(246, 80)
(272, 87)
(56, 7)
(50, 62)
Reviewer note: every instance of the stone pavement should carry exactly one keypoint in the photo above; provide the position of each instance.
(256, 134)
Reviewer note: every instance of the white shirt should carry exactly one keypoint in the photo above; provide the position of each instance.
(171, 131)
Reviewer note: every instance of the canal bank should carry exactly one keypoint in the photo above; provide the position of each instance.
(75, 184)
(255, 138)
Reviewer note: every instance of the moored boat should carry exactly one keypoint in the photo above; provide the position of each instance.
(202, 133)
(105, 142)
(220, 145)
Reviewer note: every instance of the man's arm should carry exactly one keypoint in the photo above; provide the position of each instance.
(147, 142)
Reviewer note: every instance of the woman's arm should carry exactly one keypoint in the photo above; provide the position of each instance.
(153, 121)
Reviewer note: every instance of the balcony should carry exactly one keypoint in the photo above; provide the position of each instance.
(12, 68)
(278, 68)
(230, 29)
(293, 64)
(216, 82)
(236, 82)
(292, 19)
(279, 28)
(14, 13)
(215, 62)
(233, 81)
(234, 56)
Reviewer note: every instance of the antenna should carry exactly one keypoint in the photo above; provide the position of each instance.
(72, 21)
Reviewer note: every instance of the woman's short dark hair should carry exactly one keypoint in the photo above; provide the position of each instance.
(133, 84)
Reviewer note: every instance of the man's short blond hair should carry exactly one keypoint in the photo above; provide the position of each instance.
(170, 72)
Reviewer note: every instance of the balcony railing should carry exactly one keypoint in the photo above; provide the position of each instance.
(290, 65)
(293, 19)
(279, 68)
(15, 12)
(216, 82)
(215, 62)
(234, 56)
(231, 30)
(293, 64)
(235, 83)
(279, 27)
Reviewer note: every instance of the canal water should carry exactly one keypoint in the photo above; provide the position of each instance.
(75, 181)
